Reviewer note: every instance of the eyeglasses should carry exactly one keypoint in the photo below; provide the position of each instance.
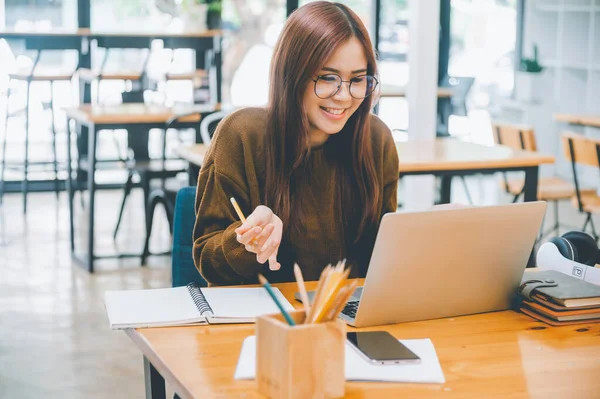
(360, 86)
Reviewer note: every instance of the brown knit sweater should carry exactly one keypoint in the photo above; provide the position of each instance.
(235, 167)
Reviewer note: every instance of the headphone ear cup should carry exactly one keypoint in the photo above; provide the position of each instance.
(585, 245)
(565, 248)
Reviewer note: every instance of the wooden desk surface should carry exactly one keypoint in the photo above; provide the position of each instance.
(193, 154)
(451, 154)
(500, 355)
(575, 119)
(434, 155)
(11, 32)
(399, 91)
(158, 33)
(131, 113)
(84, 32)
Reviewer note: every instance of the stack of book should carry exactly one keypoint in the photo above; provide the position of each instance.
(559, 299)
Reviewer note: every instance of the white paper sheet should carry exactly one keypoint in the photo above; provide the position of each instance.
(358, 369)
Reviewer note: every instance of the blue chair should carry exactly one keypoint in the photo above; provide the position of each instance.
(183, 270)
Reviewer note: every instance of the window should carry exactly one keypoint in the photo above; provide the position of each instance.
(393, 64)
(483, 37)
(40, 14)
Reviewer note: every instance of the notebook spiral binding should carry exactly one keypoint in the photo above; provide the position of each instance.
(199, 299)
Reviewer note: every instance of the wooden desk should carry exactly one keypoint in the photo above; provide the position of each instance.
(11, 33)
(194, 155)
(445, 157)
(574, 119)
(199, 41)
(500, 355)
(399, 91)
(451, 154)
(135, 117)
(137, 113)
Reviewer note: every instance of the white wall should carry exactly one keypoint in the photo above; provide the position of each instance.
(567, 33)
(422, 93)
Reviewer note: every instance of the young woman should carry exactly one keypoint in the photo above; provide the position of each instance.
(314, 171)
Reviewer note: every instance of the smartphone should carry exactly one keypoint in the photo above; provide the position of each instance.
(380, 347)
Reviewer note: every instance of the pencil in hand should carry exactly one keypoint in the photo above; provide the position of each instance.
(263, 281)
(238, 210)
(240, 214)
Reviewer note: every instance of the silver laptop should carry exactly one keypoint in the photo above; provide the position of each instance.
(445, 263)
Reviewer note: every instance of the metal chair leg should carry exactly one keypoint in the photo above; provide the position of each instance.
(4, 144)
(127, 191)
(150, 207)
(587, 220)
(25, 183)
(555, 227)
(55, 158)
(158, 196)
(462, 178)
(593, 228)
(556, 220)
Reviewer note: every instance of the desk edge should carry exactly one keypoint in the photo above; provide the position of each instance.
(157, 362)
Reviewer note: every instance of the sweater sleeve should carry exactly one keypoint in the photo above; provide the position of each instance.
(219, 257)
(226, 173)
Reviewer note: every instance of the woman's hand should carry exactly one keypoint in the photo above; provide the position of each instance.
(261, 234)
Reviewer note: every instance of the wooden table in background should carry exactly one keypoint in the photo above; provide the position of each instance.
(500, 354)
(206, 44)
(445, 157)
(448, 157)
(579, 119)
(123, 116)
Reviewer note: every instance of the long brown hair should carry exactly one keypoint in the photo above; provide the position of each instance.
(310, 36)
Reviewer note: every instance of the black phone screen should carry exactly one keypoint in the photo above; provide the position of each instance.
(380, 345)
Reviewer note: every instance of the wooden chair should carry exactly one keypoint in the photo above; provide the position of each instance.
(584, 151)
(554, 189)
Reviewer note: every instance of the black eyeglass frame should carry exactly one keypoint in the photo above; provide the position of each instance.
(342, 81)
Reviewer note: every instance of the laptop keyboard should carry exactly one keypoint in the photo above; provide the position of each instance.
(350, 309)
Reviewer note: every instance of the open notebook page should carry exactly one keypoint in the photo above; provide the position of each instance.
(243, 302)
(154, 307)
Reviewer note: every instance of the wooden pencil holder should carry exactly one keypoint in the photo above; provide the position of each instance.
(302, 361)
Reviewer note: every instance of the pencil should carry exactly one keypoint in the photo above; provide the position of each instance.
(349, 290)
(302, 290)
(269, 289)
(331, 294)
(238, 210)
(318, 293)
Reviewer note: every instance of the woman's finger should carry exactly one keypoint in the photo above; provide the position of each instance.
(273, 264)
(249, 236)
(262, 238)
(275, 238)
(260, 217)
(264, 254)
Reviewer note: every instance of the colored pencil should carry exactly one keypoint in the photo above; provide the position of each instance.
(265, 283)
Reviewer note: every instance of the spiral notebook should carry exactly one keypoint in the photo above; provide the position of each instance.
(189, 305)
